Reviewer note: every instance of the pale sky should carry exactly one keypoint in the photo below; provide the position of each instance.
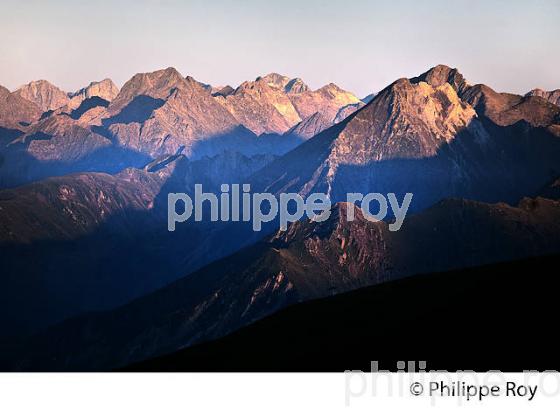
(360, 45)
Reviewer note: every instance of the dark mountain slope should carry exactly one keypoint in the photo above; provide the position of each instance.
(443, 319)
(84, 242)
(310, 260)
(91, 241)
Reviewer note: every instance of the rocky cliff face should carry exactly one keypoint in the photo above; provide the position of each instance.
(502, 108)
(45, 95)
(262, 105)
(16, 111)
(441, 74)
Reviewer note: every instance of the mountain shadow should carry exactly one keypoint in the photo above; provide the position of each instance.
(87, 105)
(101, 240)
(455, 321)
(7, 135)
(19, 167)
(138, 110)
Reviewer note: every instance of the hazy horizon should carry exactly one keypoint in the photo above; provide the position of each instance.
(362, 46)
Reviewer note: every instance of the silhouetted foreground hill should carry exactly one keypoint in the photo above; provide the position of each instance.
(494, 317)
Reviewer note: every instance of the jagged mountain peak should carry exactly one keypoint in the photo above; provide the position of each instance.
(45, 95)
(336, 94)
(206, 87)
(275, 103)
(405, 120)
(159, 79)
(506, 109)
(157, 84)
(331, 88)
(283, 83)
(16, 111)
(441, 74)
(423, 137)
(223, 91)
(156, 113)
(551, 96)
(38, 83)
(274, 80)
(105, 89)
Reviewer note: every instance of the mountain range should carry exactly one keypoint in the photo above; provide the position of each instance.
(97, 282)
(435, 136)
(47, 132)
